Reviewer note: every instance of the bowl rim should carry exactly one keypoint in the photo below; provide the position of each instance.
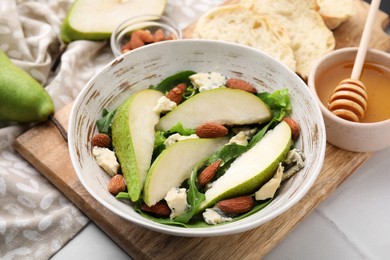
(323, 108)
(214, 230)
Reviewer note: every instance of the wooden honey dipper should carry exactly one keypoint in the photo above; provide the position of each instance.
(349, 99)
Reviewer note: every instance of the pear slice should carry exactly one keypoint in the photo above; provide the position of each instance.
(96, 20)
(253, 168)
(174, 165)
(133, 137)
(223, 105)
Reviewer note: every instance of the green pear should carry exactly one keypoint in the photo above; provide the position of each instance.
(96, 20)
(22, 98)
(223, 105)
(253, 168)
(133, 137)
(174, 165)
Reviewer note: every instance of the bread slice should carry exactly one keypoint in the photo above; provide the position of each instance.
(309, 35)
(335, 12)
(239, 24)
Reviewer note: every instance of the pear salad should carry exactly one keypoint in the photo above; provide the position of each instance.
(198, 149)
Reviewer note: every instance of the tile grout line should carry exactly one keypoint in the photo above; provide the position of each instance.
(342, 234)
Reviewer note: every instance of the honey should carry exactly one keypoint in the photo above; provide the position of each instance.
(376, 79)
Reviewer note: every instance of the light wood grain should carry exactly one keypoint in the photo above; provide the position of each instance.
(45, 148)
(349, 33)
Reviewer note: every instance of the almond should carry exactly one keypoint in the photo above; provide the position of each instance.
(117, 184)
(240, 84)
(135, 42)
(126, 47)
(145, 35)
(176, 94)
(101, 140)
(160, 209)
(159, 35)
(294, 127)
(236, 205)
(208, 173)
(211, 130)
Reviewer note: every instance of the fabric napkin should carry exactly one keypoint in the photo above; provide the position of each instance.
(36, 219)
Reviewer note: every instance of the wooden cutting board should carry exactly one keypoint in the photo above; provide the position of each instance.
(44, 147)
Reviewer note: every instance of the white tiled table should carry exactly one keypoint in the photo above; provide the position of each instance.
(353, 223)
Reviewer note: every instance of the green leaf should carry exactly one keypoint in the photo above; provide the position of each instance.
(280, 105)
(278, 101)
(180, 129)
(227, 152)
(104, 124)
(260, 134)
(159, 146)
(123, 196)
(172, 81)
(159, 139)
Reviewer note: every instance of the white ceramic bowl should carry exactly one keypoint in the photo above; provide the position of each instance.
(356, 137)
(149, 65)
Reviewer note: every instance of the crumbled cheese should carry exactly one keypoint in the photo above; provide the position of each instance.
(207, 81)
(164, 104)
(177, 201)
(240, 139)
(106, 159)
(268, 190)
(212, 217)
(296, 158)
(178, 137)
(249, 132)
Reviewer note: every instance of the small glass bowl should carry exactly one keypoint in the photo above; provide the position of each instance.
(122, 33)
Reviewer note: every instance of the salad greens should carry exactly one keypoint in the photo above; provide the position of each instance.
(104, 124)
(172, 81)
(280, 106)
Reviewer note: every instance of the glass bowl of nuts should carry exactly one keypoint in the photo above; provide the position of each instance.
(143, 30)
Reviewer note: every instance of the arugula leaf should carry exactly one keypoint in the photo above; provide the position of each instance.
(259, 135)
(173, 80)
(227, 152)
(104, 124)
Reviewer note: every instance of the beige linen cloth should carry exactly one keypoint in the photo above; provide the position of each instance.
(36, 220)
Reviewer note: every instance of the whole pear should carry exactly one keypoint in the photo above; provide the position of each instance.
(22, 98)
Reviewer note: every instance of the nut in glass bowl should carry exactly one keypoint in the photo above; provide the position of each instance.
(142, 30)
